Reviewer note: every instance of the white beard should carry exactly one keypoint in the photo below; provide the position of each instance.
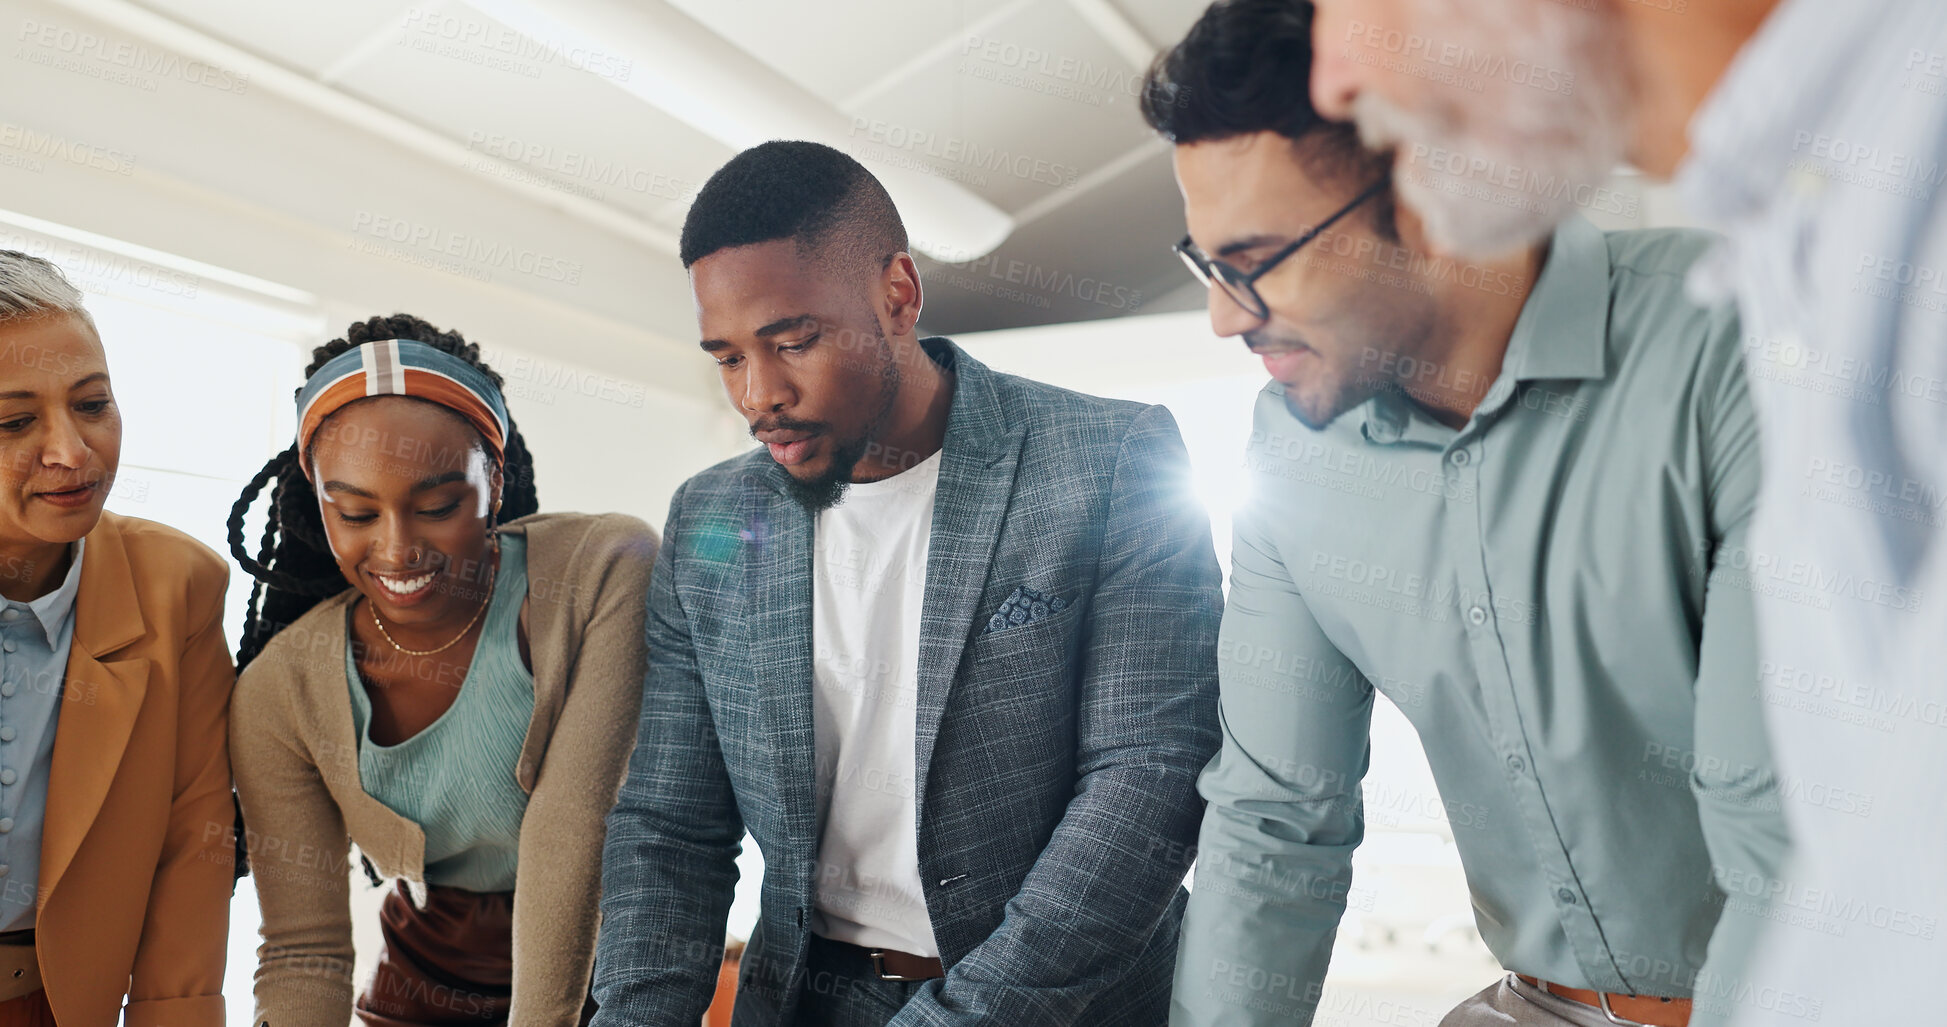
(1524, 154)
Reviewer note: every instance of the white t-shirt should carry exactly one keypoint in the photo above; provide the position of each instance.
(868, 578)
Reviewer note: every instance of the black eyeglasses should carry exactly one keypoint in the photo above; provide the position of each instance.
(1241, 286)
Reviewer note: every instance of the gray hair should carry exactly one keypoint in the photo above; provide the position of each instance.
(31, 286)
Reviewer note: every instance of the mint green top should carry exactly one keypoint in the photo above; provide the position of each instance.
(1558, 596)
(455, 779)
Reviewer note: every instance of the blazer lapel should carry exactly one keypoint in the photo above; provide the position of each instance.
(777, 587)
(100, 699)
(976, 482)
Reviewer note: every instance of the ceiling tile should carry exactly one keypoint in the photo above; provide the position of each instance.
(833, 49)
(526, 112)
(1019, 114)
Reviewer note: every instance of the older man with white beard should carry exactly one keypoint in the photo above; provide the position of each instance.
(1815, 133)
(1505, 495)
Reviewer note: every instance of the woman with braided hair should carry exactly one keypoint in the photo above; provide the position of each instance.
(436, 671)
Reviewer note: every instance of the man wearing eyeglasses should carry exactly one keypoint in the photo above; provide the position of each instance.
(1509, 495)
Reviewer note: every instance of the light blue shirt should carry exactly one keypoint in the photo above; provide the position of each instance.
(1822, 154)
(1552, 595)
(34, 641)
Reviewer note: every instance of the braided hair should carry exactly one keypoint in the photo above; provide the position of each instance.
(293, 566)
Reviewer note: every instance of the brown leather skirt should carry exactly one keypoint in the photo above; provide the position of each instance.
(29, 1010)
(449, 964)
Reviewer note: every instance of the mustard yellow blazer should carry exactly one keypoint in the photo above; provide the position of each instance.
(137, 851)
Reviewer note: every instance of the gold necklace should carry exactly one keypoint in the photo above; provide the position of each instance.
(374, 607)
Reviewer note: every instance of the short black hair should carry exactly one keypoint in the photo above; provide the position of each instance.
(1246, 67)
(808, 192)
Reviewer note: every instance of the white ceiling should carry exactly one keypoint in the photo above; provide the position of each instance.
(1028, 105)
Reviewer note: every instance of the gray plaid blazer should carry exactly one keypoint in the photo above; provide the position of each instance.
(1067, 702)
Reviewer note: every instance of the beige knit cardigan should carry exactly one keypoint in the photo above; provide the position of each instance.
(296, 764)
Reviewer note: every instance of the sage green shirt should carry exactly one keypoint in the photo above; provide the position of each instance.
(1555, 595)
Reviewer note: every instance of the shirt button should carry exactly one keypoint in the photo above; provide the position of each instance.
(6, 824)
(7, 776)
(10, 613)
(1476, 616)
(6, 647)
(1517, 764)
(7, 733)
(6, 689)
(1567, 895)
(3, 869)
(1459, 458)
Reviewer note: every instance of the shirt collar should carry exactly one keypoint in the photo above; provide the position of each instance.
(52, 610)
(1563, 330)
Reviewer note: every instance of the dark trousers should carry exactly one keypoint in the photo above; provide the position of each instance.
(840, 989)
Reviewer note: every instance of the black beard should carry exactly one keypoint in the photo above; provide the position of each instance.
(828, 489)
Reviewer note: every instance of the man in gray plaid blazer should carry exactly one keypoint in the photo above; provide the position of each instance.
(946, 649)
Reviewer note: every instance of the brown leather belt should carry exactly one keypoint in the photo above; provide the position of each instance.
(885, 964)
(904, 966)
(1643, 1009)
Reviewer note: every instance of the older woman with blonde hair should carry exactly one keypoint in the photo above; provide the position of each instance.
(115, 812)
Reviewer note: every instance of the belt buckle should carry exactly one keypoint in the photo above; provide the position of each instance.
(1603, 997)
(878, 957)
